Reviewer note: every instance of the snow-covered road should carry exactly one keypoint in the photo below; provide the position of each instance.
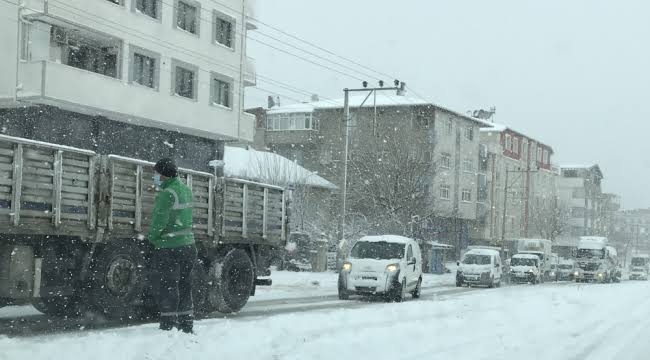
(550, 321)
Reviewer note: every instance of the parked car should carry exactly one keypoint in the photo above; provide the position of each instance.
(387, 265)
(480, 267)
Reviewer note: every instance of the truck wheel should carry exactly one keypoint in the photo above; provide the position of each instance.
(200, 285)
(400, 292)
(59, 306)
(118, 280)
(232, 279)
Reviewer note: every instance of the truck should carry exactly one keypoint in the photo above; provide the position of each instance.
(525, 268)
(74, 225)
(639, 266)
(596, 261)
(539, 247)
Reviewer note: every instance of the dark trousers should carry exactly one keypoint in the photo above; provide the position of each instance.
(174, 273)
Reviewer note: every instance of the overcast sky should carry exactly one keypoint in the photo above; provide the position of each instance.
(573, 74)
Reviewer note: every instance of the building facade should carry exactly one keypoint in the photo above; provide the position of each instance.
(580, 188)
(520, 185)
(165, 77)
(313, 134)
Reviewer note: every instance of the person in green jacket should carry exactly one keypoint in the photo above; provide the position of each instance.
(174, 251)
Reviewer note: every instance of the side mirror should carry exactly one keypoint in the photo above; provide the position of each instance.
(457, 263)
(412, 261)
(496, 265)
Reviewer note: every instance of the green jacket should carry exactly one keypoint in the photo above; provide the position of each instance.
(171, 221)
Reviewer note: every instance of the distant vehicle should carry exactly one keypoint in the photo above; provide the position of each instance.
(639, 267)
(541, 248)
(554, 262)
(480, 267)
(526, 268)
(596, 260)
(566, 270)
(388, 265)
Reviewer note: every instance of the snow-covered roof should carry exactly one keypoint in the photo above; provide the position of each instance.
(356, 99)
(525, 256)
(269, 168)
(386, 238)
(577, 166)
(488, 252)
(489, 126)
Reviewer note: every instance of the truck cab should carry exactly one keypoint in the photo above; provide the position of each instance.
(596, 261)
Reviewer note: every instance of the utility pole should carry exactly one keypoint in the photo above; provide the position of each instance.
(398, 88)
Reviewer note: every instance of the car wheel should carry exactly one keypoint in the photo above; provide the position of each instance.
(343, 293)
(491, 284)
(400, 293)
(418, 289)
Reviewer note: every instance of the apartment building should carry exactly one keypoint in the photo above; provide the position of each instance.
(141, 78)
(580, 188)
(520, 184)
(313, 134)
(631, 230)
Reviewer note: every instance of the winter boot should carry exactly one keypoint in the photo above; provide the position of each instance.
(186, 324)
(167, 323)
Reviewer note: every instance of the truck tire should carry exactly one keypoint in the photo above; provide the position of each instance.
(59, 306)
(118, 280)
(232, 279)
(200, 289)
(343, 293)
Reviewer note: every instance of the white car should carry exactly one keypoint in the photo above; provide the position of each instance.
(480, 267)
(389, 265)
(525, 268)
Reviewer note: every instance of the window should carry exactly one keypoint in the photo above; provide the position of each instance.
(91, 53)
(291, 121)
(185, 80)
(578, 212)
(469, 133)
(515, 145)
(508, 142)
(539, 154)
(524, 149)
(224, 30)
(468, 165)
(187, 16)
(570, 173)
(150, 8)
(144, 68)
(24, 41)
(545, 157)
(444, 192)
(445, 161)
(482, 188)
(466, 195)
(221, 91)
(420, 122)
(409, 253)
(450, 127)
(483, 157)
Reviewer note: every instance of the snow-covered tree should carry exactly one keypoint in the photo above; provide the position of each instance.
(549, 217)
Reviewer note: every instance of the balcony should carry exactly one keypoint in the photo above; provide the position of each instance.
(250, 73)
(69, 88)
(250, 15)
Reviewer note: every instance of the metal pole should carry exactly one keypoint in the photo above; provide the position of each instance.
(346, 120)
(505, 202)
(242, 67)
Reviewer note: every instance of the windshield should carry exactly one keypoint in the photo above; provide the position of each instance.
(473, 259)
(589, 253)
(377, 250)
(639, 261)
(566, 266)
(523, 262)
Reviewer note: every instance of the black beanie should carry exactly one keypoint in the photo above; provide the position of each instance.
(166, 167)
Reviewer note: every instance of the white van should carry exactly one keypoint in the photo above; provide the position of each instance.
(480, 267)
(389, 265)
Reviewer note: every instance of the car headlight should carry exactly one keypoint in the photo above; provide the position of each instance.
(531, 271)
(552, 273)
(600, 274)
(392, 267)
(347, 266)
(576, 273)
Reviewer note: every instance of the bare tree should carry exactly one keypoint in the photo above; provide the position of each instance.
(549, 217)
(390, 175)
